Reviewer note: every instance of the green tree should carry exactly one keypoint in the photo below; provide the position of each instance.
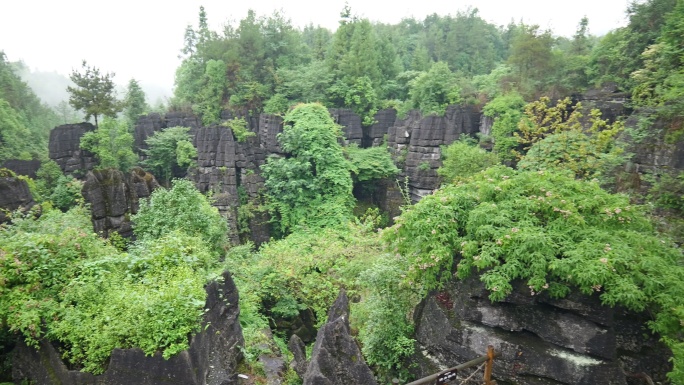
(134, 102)
(433, 91)
(312, 186)
(112, 143)
(169, 151)
(94, 94)
(210, 101)
(532, 58)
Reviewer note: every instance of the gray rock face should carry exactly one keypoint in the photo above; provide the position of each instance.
(608, 99)
(22, 167)
(351, 124)
(113, 197)
(336, 358)
(65, 150)
(542, 341)
(416, 142)
(211, 359)
(653, 153)
(14, 195)
(299, 363)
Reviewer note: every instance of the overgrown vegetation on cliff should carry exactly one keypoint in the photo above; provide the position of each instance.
(60, 281)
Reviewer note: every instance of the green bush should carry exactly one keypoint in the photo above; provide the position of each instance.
(370, 163)
(169, 149)
(240, 129)
(463, 158)
(184, 208)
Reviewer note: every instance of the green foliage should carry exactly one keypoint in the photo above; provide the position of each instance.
(169, 149)
(312, 187)
(66, 193)
(62, 282)
(240, 129)
(506, 110)
(531, 58)
(551, 231)
(277, 105)
(25, 121)
(386, 334)
(112, 143)
(463, 158)
(94, 94)
(370, 163)
(211, 95)
(668, 192)
(558, 140)
(184, 208)
(134, 102)
(433, 91)
(362, 98)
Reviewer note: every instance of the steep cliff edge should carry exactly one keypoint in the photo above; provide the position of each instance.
(542, 341)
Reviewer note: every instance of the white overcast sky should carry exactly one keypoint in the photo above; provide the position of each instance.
(141, 39)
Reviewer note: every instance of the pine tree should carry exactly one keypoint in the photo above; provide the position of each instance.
(94, 94)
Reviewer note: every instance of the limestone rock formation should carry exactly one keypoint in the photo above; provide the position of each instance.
(416, 140)
(14, 195)
(22, 167)
(542, 341)
(114, 197)
(336, 359)
(351, 124)
(211, 359)
(65, 150)
(298, 349)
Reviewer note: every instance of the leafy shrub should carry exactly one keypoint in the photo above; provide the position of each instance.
(239, 128)
(277, 105)
(169, 149)
(506, 110)
(463, 158)
(184, 208)
(370, 163)
(112, 143)
(551, 231)
(67, 193)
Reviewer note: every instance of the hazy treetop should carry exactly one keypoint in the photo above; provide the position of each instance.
(142, 39)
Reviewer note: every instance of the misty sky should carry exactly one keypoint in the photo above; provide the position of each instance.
(141, 39)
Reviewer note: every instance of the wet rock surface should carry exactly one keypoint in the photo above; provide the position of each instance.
(541, 340)
(14, 195)
(211, 359)
(64, 148)
(114, 196)
(336, 359)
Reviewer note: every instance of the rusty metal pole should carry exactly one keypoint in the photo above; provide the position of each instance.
(490, 364)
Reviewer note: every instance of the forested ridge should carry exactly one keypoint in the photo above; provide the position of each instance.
(545, 200)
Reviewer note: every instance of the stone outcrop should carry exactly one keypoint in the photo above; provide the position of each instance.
(114, 197)
(22, 167)
(608, 99)
(542, 341)
(351, 124)
(65, 150)
(14, 195)
(416, 140)
(211, 359)
(298, 349)
(336, 359)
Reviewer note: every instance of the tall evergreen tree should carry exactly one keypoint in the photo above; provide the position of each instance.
(134, 102)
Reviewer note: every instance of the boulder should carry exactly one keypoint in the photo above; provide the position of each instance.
(298, 350)
(336, 359)
(65, 149)
(114, 197)
(22, 167)
(211, 359)
(574, 340)
(14, 195)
